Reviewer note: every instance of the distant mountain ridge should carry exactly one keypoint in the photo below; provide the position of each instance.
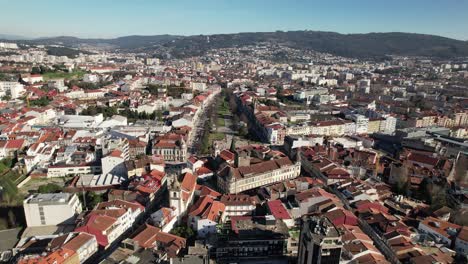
(11, 37)
(126, 42)
(348, 45)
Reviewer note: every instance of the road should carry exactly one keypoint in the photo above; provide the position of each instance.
(194, 142)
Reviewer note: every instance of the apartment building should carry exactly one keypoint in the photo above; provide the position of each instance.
(320, 242)
(14, 89)
(51, 209)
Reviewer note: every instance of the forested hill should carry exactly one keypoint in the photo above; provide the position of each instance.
(348, 45)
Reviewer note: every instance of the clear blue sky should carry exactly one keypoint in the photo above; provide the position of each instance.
(111, 18)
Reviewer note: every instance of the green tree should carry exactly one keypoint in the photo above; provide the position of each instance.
(183, 231)
(36, 70)
(92, 199)
(43, 101)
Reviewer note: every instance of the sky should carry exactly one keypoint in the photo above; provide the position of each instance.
(113, 18)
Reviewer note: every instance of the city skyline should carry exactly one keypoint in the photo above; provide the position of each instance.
(218, 131)
(107, 19)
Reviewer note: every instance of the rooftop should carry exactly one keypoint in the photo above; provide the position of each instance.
(49, 198)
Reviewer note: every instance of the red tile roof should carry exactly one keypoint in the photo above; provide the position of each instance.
(148, 235)
(14, 144)
(188, 185)
(278, 210)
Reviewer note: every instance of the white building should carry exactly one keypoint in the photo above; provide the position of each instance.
(91, 78)
(80, 121)
(32, 78)
(440, 231)
(362, 123)
(4, 45)
(205, 215)
(198, 86)
(114, 164)
(164, 218)
(84, 244)
(62, 170)
(308, 95)
(251, 176)
(42, 115)
(389, 125)
(14, 89)
(238, 204)
(51, 209)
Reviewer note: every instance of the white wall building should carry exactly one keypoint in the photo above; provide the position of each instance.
(51, 209)
(198, 86)
(14, 89)
(114, 164)
(362, 123)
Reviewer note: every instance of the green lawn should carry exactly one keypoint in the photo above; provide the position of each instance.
(224, 109)
(63, 75)
(216, 136)
(220, 122)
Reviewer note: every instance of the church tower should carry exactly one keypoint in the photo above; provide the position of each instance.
(175, 199)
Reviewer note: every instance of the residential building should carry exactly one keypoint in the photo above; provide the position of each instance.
(441, 231)
(114, 164)
(251, 238)
(320, 242)
(239, 204)
(85, 245)
(204, 215)
(51, 209)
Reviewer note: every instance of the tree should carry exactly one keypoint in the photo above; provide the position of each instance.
(400, 176)
(460, 217)
(243, 131)
(461, 170)
(43, 101)
(92, 199)
(183, 231)
(159, 115)
(11, 218)
(36, 70)
(437, 196)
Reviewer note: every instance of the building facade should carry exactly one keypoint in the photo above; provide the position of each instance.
(51, 209)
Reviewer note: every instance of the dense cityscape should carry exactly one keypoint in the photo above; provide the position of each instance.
(257, 153)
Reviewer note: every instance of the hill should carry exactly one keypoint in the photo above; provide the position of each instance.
(347, 45)
(11, 37)
(127, 42)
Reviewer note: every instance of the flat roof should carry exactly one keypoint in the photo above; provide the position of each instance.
(49, 198)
